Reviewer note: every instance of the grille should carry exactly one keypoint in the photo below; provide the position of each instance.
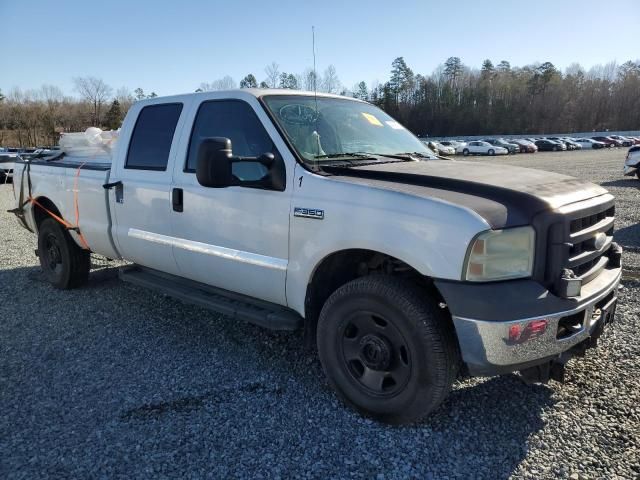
(584, 257)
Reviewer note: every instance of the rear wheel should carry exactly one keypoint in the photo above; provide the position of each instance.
(65, 264)
(387, 349)
(638, 174)
(465, 152)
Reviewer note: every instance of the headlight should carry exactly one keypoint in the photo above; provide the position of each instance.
(500, 255)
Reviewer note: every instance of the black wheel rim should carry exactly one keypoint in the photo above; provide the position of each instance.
(52, 254)
(375, 354)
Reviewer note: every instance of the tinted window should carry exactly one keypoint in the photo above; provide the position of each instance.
(235, 120)
(152, 137)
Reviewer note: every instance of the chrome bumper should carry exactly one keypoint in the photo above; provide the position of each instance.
(494, 347)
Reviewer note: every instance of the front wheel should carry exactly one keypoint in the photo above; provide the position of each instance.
(491, 151)
(65, 264)
(556, 148)
(387, 349)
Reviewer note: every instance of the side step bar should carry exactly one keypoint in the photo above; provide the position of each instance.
(236, 306)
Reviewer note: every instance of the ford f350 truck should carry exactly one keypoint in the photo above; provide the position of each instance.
(294, 210)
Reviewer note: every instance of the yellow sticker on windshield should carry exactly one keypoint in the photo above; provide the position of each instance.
(372, 119)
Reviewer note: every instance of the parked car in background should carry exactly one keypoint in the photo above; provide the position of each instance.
(526, 146)
(460, 145)
(501, 142)
(480, 147)
(588, 143)
(632, 162)
(545, 145)
(626, 142)
(561, 142)
(636, 140)
(571, 143)
(443, 149)
(7, 163)
(608, 141)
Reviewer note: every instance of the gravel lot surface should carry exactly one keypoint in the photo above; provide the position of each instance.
(112, 381)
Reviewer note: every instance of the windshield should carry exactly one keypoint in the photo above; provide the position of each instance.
(325, 128)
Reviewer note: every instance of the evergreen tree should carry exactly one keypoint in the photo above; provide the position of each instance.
(113, 118)
(249, 82)
(361, 91)
(139, 94)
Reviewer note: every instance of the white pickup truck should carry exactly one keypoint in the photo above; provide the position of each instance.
(292, 210)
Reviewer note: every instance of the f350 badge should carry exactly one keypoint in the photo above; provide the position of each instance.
(308, 213)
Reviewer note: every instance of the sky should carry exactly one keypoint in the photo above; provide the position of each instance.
(172, 46)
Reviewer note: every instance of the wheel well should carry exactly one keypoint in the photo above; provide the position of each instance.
(341, 267)
(39, 214)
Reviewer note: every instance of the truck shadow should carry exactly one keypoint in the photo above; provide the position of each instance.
(623, 182)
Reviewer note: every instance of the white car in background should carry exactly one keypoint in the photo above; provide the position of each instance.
(632, 162)
(478, 147)
(589, 143)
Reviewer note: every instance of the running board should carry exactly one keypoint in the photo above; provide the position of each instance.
(236, 306)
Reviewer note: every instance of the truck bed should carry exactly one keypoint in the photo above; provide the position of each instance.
(69, 182)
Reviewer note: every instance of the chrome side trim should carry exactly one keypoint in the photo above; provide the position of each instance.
(214, 250)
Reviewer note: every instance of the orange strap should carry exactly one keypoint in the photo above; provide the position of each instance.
(76, 227)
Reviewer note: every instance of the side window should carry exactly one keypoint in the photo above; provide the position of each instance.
(235, 120)
(152, 136)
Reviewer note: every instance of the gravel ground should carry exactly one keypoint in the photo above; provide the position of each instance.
(113, 381)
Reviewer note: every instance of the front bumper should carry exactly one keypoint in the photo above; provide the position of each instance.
(509, 326)
(631, 169)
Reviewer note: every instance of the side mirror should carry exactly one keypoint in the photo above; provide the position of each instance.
(213, 168)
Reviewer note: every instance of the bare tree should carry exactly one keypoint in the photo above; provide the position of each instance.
(273, 74)
(95, 92)
(330, 81)
(310, 79)
(224, 83)
(125, 98)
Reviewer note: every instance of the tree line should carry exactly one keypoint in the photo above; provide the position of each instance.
(454, 99)
(500, 99)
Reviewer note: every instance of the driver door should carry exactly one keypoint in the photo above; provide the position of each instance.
(235, 238)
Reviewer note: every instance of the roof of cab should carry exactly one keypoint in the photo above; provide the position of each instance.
(255, 92)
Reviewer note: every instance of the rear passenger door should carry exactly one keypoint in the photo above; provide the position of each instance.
(141, 206)
(235, 238)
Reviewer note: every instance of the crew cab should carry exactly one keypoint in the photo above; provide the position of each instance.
(318, 212)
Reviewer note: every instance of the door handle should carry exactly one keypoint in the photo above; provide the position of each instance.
(109, 186)
(119, 190)
(176, 200)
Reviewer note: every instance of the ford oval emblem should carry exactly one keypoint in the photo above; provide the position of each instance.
(599, 240)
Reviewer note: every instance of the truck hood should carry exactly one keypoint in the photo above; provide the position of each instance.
(505, 196)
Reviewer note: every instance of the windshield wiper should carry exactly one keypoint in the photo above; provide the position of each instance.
(415, 154)
(344, 154)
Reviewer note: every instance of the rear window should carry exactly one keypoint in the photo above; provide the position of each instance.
(152, 136)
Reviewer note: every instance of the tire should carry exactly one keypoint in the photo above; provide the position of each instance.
(638, 174)
(491, 152)
(556, 148)
(65, 264)
(465, 152)
(387, 330)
